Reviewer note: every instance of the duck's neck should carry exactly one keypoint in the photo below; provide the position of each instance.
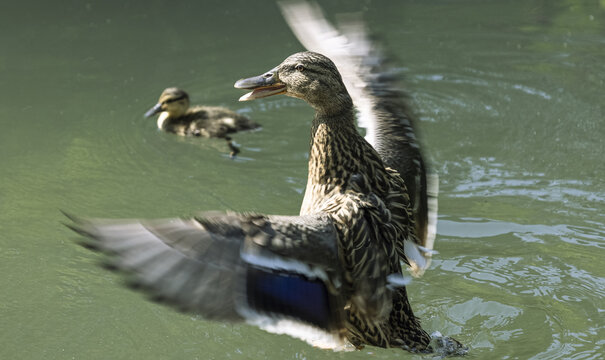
(333, 140)
(334, 156)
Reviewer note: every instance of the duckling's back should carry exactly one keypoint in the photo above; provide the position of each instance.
(216, 121)
(209, 121)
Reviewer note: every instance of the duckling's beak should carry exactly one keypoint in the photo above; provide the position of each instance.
(262, 86)
(154, 110)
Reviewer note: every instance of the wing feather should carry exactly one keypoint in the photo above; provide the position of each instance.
(280, 273)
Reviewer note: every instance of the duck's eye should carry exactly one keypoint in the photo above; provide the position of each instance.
(299, 67)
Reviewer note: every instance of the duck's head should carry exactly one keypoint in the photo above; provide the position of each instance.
(306, 75)
(174, 101)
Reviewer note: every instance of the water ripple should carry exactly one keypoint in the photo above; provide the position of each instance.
(477, 228)
(516, 282)
(531, 91)
(485, 177)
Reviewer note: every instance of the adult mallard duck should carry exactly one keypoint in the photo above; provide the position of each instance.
(367, 201)
(176, 116)
(331, 276)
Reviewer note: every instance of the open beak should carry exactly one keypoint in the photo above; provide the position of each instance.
(262, 86)
(154, 110)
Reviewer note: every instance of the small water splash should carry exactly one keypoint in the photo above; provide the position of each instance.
(446, 346)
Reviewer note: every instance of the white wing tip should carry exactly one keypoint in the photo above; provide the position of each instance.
(311, 334)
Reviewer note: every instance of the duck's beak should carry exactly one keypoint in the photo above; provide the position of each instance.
(154, 110)
(262, 86)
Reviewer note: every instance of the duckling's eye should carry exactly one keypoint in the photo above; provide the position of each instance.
(299, 67)
(173, 100)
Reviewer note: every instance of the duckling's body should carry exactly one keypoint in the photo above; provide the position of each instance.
(205, 121)
(176, 116)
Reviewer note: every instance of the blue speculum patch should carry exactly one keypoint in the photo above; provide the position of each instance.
(289, 294)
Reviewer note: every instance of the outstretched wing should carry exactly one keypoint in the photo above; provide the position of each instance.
(382, 107)
(280, 273)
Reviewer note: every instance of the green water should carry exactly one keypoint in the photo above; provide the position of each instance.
(510, 96)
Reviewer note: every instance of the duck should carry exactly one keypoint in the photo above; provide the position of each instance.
(178, 117)
(331, 275)
(382, 108)
(368, 202)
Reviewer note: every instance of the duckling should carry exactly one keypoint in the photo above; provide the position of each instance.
(176, 116)
(330, 276)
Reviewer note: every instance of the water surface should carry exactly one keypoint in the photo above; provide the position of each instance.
(510, 100)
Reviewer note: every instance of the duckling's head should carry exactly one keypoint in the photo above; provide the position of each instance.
(306, 75)
(173, 101)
